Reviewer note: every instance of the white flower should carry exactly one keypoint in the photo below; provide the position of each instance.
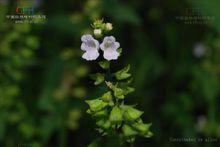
(109, 46)
(91, 46)
(109, 26)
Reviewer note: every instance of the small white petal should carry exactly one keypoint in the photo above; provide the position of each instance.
(111, 54)
(91, 55)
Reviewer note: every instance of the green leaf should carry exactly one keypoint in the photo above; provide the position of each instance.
(118, 93)
(107, 97)
(148, 135)
(98, 77)
(128, 131)
(103, 123)
(123, 73)
(116, 115)
(119, 50)
(104, 64)
(131, 114)
(96, 105)
(141, 127)
(100, 113)
(128, 90)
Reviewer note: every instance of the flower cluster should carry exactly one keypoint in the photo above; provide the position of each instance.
(91, 47)
(113, 116)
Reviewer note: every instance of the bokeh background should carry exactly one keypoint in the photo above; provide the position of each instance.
(175, 62)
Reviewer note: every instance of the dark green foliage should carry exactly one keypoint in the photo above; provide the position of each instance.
(43, 80)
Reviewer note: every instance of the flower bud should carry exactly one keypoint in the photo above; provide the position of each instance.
(98, 32)
(98, 24)
(108, 26)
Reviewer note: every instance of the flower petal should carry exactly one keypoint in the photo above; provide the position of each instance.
(111, 54)
(83, 47)
(97, 44)
(91, 55)
(117, 45)
(109, 38)
(86, 37)
(102, 46)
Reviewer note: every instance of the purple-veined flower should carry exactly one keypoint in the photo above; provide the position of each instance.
(90, 46)
(109, 47)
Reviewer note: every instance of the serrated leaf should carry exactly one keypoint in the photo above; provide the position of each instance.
(104, 64)
(98, 77)
(123, 73)
(96, 105)
(116, 115)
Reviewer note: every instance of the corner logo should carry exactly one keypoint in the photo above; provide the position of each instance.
(26, 11)
(26, 7)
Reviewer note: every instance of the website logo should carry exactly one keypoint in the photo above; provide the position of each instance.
(27, 7)
(26, 11)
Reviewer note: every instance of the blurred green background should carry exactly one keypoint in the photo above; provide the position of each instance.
(175, 62)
